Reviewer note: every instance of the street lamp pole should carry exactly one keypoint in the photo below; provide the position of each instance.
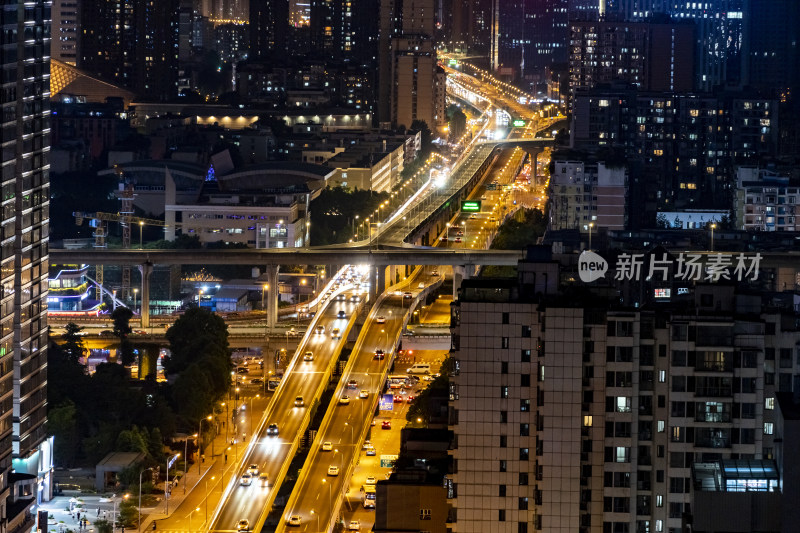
(141, 225)
(591, 225)
(713, 227)
(206, 483)
(139, 522)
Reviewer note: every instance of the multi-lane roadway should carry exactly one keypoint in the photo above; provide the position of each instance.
(319, 489)
(270, 450)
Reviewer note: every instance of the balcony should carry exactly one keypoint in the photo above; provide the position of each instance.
(714, 366)
(714, 392)
(724, 417)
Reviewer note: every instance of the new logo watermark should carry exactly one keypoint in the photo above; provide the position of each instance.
(686, 267)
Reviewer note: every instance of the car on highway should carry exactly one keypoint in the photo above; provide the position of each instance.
(459, 233)
(366, 444)
(308, 356)
(410, 398)
(264, 478)
(371, 451)
(355, 298)
(407, 295)
(398, 398)
(434, 272)
(246, 480)
(457, 240)
(333, 470)
(341, 314)
(253, 469)
(363, 394)
(320, 330)
(299, 402)
(336, 333)
(344, 400)
(242, 370)
(272, 430)
(294, 520)
(355, 525)
(256, 381)
(370, 480)
(444, 238)
(474, 217)
(386, 424)
(381, 320)
(243, 525)
(379, 354)
(352, 384)
(341, 298)
(327, 446)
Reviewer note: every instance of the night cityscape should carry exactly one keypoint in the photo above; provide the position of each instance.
(588, 212)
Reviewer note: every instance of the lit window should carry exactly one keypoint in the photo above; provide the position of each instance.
(661, 426)
(768, 428)
(769, 403)
(587, 421)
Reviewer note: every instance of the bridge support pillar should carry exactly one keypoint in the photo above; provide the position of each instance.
(146, 269)
(272, 296)
(460, 273)
(377, 281)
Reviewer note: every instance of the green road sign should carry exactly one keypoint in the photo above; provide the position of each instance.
(387, 461)
(471, 205)
(453, 62)
(519, 123)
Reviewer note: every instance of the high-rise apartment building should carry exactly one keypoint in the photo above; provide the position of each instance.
(654, 56)
(133, 43)
(269, 28)
(66, 23)
(408, 67)
(682, 146)
(25, 452)
(772, 52)
(588, 192)
(571, 414)
(719, 29)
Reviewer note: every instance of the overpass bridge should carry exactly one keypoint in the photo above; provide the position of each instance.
(403, 240)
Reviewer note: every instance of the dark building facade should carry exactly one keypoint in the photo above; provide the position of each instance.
(132, 43)
(651, 56)
(682, 147)
(269, 28)
(25, 142)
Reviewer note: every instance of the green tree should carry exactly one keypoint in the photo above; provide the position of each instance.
(192, 394)
(62, 423)
(198, 334)
(133, 440)
(103, 526)
(456, 123)
(155, 445)
(128, 513)
(122, 329)
(73, 341)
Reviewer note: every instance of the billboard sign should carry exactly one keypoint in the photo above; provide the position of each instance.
(471, 205)
(387, 402)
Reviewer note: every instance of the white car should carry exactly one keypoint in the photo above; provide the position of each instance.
(246, 480)
(336, 333)
(243, 525)
(370, 480)
(294, 520)
(355, 525)
(320, 330)
(327, 446)
(299, 401)
(333, 470)
(308, 356)
(363, 394)
(252, 470)
(381, 320)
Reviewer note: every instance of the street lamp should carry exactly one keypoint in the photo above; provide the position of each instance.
(251, 411)
(141, 224)
(355, 235)
(312, 512)
(135, 298)
(200, 443)
(264, 288)
(352, 438)
(713, 227)
(114, 517)
(330, 495)
(591, 225)
(139, 522)
(464, 225)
